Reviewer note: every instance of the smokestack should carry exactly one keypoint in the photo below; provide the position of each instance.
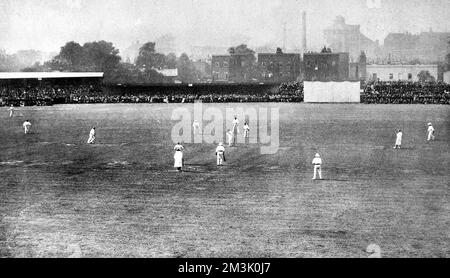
(304, 46)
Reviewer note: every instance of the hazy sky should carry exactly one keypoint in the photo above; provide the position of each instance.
(47, 24)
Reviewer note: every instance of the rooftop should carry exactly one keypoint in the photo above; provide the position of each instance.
(47, 75)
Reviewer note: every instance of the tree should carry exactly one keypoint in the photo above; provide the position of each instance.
(425, 76)
(186, 70)
(127, 73)
(326, 50)
(8, 62)
(242, 50)
(92, 56)
(100, 56)
(37, 67)
(72, 53)
(171, 61)
(148, 58)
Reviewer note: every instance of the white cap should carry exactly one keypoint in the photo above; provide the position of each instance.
(429, 123)
(317, 155)
(220, 144)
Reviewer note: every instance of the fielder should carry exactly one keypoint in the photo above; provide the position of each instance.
(398, 141)
(235, 130)
(220, 154)
(11, 111)
(91, 136)
(178, 157)
(317, 162)
(430, 132)
(230, 137)
(196, 126)
(26, 126)
(246, 130)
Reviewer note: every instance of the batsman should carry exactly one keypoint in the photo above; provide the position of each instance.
(220, 154)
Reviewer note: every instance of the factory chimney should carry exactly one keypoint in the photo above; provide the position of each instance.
(304, 46)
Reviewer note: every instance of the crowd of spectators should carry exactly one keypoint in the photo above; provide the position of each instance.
(48, 95)
(374, 92)
(395, 92)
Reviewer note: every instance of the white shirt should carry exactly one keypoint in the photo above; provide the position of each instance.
(399, 136)
(178, 148)
(92, 133)
(317, 161)
(430, 129)
(196, 124)
(246, 127)
(235, 122)
(26, 124)
(230, 134)
(220, 149)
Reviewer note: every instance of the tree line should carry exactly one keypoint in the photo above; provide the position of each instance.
(102, 56)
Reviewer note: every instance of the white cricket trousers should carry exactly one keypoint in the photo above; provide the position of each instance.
(317, 169)
(430, 136)
(91, 140)
(219, 158)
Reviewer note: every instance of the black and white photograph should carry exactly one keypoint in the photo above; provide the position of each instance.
(211, 129)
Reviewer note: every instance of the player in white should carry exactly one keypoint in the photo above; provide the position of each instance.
(246, 131)
(398, 141)
(196, 126)
(317, 162)
(235, 130)
(91, 139)
(220, 154)
(430, 132)
(11, 111)
(178, 157)
(230, 137)
(26, 126)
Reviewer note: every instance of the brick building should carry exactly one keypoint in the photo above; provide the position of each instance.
(426, 47)
(279, 67)
(399, 72)
(241, 68)
(220, 68)
(325, 67)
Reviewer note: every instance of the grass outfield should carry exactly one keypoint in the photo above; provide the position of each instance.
(120, 198)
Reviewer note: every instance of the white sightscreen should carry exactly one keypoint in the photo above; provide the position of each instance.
(332, 91)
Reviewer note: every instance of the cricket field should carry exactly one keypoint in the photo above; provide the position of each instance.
(121, 197)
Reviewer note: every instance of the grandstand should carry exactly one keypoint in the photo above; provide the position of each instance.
(46, 88)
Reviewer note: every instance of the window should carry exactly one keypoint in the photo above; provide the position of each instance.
(289, 67)
(409, 76)
(225, 64)
(391, 76)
